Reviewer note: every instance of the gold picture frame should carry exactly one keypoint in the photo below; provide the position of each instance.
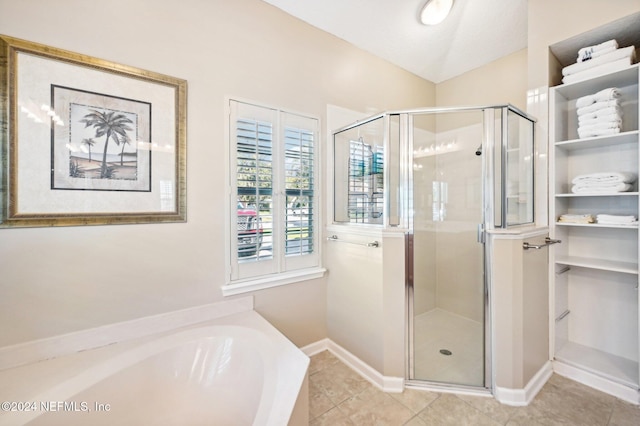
(85, 141)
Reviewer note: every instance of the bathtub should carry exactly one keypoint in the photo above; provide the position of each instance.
(236, 370)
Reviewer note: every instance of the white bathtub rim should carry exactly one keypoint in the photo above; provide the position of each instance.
(94, 375)
(56, 346)
(276, 404)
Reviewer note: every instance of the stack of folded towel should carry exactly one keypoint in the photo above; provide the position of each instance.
(576, 218)
(611, 219)
(603, 219)
(603, 183)
(599, 114)
(597, 60)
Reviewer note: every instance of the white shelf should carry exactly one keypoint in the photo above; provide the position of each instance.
(617, 369)
(598, 225)
(625, 77)
(617, 194)
(614, 140)
(601, 264)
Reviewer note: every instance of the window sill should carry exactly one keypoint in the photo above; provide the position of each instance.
(239, 287)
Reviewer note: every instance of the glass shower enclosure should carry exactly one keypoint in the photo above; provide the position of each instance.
(445, 177)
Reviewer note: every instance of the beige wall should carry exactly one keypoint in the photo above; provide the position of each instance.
(58, 280)
(503, 81)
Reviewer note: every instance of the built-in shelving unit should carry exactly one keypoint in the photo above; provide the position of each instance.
(594, 271)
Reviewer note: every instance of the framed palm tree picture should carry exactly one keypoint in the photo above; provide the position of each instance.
(101, 144)
(87, 141)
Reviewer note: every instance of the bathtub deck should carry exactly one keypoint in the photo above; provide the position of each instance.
(191, 375)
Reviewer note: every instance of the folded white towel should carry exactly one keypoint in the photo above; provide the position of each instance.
(606, 122)
(599, 70)
(599, 107)
(612, 218)
(576, 218)
(607, 94)
(606, 222)
(592, 132)
(625, 52)
(604, 112)
(604, 95)
(599, 125)
(596, 50)
(605, 177)
(604, 189)
(596, 54)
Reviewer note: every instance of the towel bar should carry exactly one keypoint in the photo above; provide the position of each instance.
(371, 244)
(562, 315)
(547, 242)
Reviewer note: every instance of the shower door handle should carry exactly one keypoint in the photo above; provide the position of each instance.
(481, 233)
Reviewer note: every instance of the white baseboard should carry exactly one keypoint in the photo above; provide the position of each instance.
(602, 384)
(315, 348)
(384, 383)
(514, 397)
(523, 397)
(52, 347)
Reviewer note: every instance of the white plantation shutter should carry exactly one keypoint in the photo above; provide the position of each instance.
(274, 202)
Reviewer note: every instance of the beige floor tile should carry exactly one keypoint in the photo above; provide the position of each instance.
(415, 421)
(333, 417)
(530, 416)
(489, 406)
(374, 407)
(557, 382)
(339, 382)
(321, 361)
(451, 410)
(415, 399)
(341, 397)
(625, 414)
(319, 403)
(563, 399)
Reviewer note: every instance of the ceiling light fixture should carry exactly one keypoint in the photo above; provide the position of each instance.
(434, 11)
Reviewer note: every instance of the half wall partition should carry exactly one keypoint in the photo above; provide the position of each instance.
(444, 177)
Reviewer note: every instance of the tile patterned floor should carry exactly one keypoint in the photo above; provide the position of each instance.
(339, 396)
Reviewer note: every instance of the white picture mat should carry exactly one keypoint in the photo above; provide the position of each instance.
(35, 75)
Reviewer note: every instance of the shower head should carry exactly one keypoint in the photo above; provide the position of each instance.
(479, 150)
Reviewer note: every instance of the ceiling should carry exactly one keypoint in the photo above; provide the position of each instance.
(475, 33)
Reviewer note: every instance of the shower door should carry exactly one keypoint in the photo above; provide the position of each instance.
(447, 295)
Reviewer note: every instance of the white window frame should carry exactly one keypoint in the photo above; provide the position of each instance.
(281, 269)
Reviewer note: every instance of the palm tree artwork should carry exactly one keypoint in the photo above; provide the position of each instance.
(89, 142)
(125, 141)
(112, 125)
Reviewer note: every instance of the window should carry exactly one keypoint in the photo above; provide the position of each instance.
(359, 178)
(274, 207)
(366, 182)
